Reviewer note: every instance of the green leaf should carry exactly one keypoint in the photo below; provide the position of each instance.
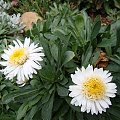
(7, 116)
(47, 73)
(2, 87)
(68, 100)
(116, 60)
(117, 3)
(22, 92)
(79, 22)
(29, 115)
(34, 101)
(45, 98)
(96, 28)
(87, 56)
(54, 51)
(50, 36)
(63, 109)
(68, 56)
(105, 43)
(22, 111)
(62, 91)
(79, 116)
(95, 56)
(115, 111)
(47, 109)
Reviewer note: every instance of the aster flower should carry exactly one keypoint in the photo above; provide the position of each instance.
(92, 90)
(21, 60)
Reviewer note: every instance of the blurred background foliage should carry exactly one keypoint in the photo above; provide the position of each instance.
(105, 8)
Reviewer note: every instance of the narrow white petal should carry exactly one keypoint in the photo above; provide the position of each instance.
(36, 50)
(84, 105)
(108, 79)
(34, 65)
(107, 100)
(73, 101)
(77, 79)
(75, 87)
(103, 103)
(27, 42)
(4, 63)
(89, 69)
(5, 56)
(16, 44)
(98, 107)
(94, 108)
(111, 85)
(20, 44)
(110, 95)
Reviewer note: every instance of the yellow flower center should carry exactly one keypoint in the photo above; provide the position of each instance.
(18, 57)
(94, 88)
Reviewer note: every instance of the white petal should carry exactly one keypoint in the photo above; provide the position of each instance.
(20, 44)
(73, 101)
(4, 63)
(89, 69)
(75, 87)
(93, 110)
(16, 44)
(107, 100)
(27, 42)
(73, 94)
(98, 107)
(84, 104)
(111, 85)
(108, 79)
(110, 95)
(103, 104)
(5, 56)
(77, 78)
(36, 50)
(34, 65)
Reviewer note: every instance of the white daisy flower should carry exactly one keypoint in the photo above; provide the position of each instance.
(21, 60)
(92, 89)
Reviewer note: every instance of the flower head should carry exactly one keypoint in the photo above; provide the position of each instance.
(92, 89)
(21, 60)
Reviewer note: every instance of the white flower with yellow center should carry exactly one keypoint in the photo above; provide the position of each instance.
(21, 60)
(92, 89)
